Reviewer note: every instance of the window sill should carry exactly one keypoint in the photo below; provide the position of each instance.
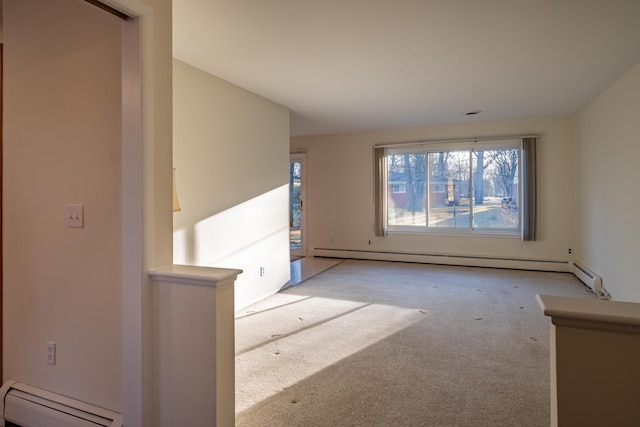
(457, 233)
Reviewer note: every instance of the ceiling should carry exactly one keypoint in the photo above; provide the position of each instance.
(346, 66)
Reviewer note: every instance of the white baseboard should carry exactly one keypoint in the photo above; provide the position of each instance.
(461, 260)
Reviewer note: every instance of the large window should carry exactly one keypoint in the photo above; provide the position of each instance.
(458, 187)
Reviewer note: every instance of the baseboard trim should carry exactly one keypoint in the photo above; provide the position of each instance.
(444, 259)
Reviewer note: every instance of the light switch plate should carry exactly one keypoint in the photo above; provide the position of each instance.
(75, 215)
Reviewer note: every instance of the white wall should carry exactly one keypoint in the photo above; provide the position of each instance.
(608, 148)
(340, 211)
(231, 151)
(62, 144)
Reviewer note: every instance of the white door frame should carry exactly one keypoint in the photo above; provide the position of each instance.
(133, 381)
(137, 143)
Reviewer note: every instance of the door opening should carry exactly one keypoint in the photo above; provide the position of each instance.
(296, 206)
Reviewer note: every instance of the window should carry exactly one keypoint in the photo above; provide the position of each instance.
(457, 187)
(398, 188)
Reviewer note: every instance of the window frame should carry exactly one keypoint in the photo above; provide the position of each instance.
(458, 146)
(398, 188)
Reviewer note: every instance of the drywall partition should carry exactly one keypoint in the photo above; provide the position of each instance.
(146, 160)
(608, 233)
(231, 153)
(62, 145)
(595, 348)
(340, 193)
(194, 345)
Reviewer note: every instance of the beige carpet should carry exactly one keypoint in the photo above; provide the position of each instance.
(371, 343)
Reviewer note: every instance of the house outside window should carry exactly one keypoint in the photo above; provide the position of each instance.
(456, 188)
(438, 188)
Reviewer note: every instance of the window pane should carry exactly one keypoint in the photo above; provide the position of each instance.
(295, 176)
(495, 189)
(461, 187)
(406, 189)
(449, 202)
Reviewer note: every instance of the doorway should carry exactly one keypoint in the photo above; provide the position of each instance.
(296, 205)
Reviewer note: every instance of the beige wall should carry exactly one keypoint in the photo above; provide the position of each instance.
(62, 144)
(608, 233)
(231, 151)
(340, 192)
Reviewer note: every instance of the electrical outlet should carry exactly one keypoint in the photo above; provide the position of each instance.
(51, 352)
(261, 271)
(570, 251)
(75, 215)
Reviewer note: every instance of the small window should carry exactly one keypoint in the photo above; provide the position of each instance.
(438, 188)
(399, 188)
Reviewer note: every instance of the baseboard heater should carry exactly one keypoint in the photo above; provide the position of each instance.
(26, 406)
(446, 259)
(589, 278)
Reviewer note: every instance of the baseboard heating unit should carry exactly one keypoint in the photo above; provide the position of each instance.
(589, 278)
(26, 406)
(445, 259)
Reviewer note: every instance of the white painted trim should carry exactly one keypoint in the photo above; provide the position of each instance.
(132, 236)
(585, 313)
(194, 275)
(137, 137)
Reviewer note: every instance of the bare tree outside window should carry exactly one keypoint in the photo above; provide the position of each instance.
(406, 171)
(467, 188)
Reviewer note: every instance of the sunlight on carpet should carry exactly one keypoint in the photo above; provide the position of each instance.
(372, 343)
(308, 343)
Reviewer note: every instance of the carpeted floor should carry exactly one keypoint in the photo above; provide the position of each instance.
(371, 343)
